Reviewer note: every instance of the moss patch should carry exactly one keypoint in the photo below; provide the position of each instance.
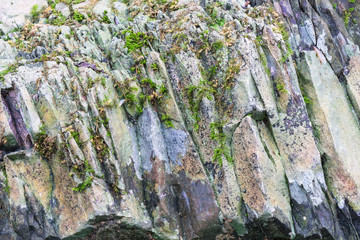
(45, 144)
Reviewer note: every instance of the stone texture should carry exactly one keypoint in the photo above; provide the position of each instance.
(15, 13)
(180, 120)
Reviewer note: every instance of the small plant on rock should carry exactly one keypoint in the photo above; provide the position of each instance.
(135, 41)
(10, 69)
(154, 67)
(78, 16)
(280, 87)
(35, 13)
(195, 94)
(6, 182)
(217, 45)
(88, 180)
(105, 18)
(217, 134)
(45, 144)
(167, 121)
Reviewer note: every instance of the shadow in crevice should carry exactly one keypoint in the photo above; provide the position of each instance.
(9, 98)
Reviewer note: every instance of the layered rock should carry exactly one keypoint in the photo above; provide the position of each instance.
(179, 120)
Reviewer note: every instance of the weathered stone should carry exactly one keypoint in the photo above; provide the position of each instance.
(63, 8)
(14, 13)
(261, 177)
(180, 120)
(336, 135)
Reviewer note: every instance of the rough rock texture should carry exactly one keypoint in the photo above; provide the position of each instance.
(182, 119)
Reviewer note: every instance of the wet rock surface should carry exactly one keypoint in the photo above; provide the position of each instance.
(179, 120)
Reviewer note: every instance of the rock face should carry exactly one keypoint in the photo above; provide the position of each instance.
(182, 119)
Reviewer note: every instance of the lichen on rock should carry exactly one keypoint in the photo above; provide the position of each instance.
(177, 119)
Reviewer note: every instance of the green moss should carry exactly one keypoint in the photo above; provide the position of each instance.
(154, 66)
(35, 13)
(135, 41)
(214, 20)
(280, 87)
(76, 136)
(52, 3)
(105, 18)
(88, 172)
(163, 90)
(286, 37)
(82, 186)
(167, 121)
(130, 97)
(58, 20)
(149, 82)
(259, 41)
(217, 134)
(6, 182)
(264, 62)
(307, 100)
(217, 45)
(195, 94)
(90, 82)
(239, 227)
(347, 16)
(78, 16)
(10, 69)
(103, 81)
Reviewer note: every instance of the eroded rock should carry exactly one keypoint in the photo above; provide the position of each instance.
(179, 120)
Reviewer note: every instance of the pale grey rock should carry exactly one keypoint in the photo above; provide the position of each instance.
(102, 6)
(338, 134)
(6, 51)
(14, 13)
(242, 139)
(63, 8)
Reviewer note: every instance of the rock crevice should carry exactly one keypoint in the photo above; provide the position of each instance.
(179, 119)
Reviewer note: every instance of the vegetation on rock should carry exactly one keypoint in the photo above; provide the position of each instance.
(188, 119)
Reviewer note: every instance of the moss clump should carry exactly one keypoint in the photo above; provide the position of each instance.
(10, 69)
(195, 94)
(105, 18)
(214, 20)
(135, 41)
(45, 144)
(154, 67)
(78, 16)
(217, 45)
(149, 82)
(76, 136)
(280, 87)
(35, 13)
(88, 172)
(82, 186)
(347, 16)
(6, 182)
(130, 96)
(163, 90)
(58, 20)
(167, 121)
(101, 148)
(217, 134)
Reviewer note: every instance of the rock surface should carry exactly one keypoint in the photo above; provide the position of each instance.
(186, 120)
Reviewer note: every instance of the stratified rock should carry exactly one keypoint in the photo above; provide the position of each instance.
(179, 120)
